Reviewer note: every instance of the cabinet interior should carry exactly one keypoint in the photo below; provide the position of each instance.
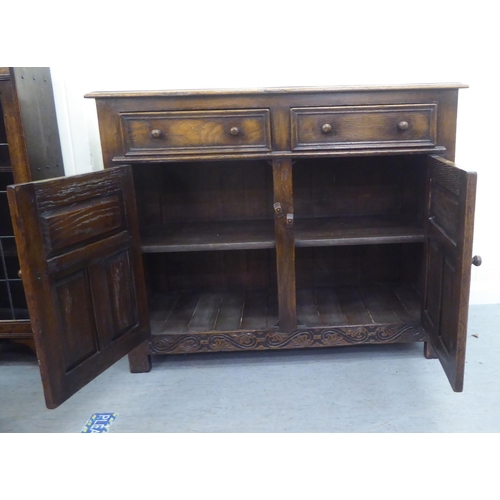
(4, 147)
(208, 242)
(359, 240)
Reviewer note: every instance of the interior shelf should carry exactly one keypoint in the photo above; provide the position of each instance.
(13, 314)
(254, 234)
(5, 163)
(341, 231)
(200, 236)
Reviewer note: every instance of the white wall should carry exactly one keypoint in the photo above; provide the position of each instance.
(261, 44)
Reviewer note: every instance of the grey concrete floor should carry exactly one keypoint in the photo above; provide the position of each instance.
(379, 389)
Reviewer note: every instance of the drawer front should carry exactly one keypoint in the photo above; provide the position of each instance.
(353, 127)
(196, 132)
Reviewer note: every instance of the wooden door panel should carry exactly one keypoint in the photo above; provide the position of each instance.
(123, 302)
(434, 291)
(74, 300)
(84, 221)
(79, 252)
(448, 325)
(448, 237)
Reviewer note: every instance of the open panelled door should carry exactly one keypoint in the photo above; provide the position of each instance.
(78, 241)
(448, 252)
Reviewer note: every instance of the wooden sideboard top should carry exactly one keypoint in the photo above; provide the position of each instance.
(276, 90)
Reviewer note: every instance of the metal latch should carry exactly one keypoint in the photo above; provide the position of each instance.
(278, 209)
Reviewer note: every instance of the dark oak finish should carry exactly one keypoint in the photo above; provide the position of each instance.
(196, 132)
(335, 231)
(448, 250)
(29, 150)
(285, 248)
(349, 170)
(349, 127)
(217, 235)
(271, 219)
(79, 251)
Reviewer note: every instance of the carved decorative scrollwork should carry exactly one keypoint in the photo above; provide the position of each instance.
(272, 339)
(175, 343)
(390, 333)
(300, 338)
(341, 336)
(232, 342)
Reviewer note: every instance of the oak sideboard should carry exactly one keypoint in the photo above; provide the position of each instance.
(235, 220)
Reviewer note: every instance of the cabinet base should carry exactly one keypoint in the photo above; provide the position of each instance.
(273, 339)
(429, 352)
(139, 359)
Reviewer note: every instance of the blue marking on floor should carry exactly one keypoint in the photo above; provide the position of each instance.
(99, 422)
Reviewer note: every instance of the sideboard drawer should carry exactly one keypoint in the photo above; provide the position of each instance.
(356, 127)
(191, 132)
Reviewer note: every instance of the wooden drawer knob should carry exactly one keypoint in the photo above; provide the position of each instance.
(477, 260)
(402, 125)
(234, 131)
(326, 128)
(20, 274)
(156, 133)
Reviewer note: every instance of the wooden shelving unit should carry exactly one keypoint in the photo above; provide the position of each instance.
(29, 150)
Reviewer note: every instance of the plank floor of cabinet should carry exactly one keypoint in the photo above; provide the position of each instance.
(214, 311)
(258, 310)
